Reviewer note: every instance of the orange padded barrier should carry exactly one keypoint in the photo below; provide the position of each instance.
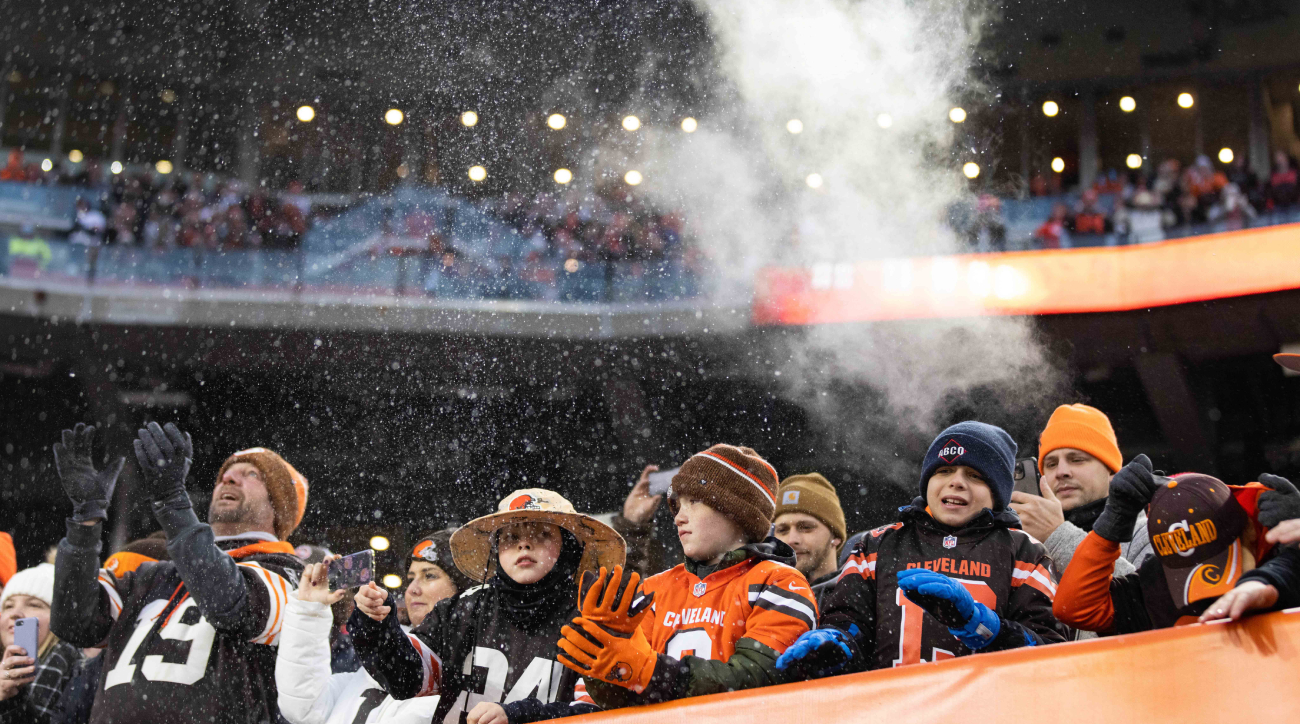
(1240, 673)
(1097, 279)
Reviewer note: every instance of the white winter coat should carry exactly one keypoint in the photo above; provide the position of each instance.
(310, 694)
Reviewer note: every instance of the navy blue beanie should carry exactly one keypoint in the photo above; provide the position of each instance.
(987, 448)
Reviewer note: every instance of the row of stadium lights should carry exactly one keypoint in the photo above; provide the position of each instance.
(631, 123)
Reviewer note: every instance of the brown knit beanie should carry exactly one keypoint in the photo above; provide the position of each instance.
(813, 495)
(735, 481)
(286, 487)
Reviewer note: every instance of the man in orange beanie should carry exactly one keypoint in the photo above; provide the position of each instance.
(1078, 454)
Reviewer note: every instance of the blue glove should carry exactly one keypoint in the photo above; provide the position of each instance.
(973, 623)
(820, 652)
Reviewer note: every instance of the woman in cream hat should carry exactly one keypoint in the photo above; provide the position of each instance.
(529, 555)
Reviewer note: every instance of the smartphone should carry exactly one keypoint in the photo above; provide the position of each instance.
(1026, 476)
(352, 571)
(662, 480)
(27, 636)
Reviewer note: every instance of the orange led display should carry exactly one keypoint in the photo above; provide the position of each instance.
(1071, 281)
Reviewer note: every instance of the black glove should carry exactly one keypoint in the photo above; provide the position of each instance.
(90, 491)
(164, 454)
(1281, 502)
(1130, 492)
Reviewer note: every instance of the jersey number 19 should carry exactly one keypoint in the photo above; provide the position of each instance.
(199, 634)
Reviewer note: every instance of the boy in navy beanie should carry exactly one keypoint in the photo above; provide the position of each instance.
(954, 576)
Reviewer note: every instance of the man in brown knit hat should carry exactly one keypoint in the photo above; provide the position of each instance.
(257, 490)
(810, 520)
(719, 620)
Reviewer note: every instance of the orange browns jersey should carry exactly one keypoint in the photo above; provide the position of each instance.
(759, 599)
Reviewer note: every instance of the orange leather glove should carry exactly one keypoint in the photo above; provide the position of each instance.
(599, 654)
(610, 599)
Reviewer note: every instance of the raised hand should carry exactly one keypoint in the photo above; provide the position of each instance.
(612, 599)
(314, 585)
(640, 506)
(164, 455)
(1130, 492)
(1279, 503)
(89, 490)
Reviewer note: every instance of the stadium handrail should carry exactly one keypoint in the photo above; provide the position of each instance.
(1220, 672)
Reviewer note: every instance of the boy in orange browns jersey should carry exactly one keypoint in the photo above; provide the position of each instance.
(953, 577)
(715, 623)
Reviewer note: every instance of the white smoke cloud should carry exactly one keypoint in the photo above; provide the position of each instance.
(872, 84)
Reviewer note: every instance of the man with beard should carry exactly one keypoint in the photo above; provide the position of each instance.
(193, 638)
(810, 520)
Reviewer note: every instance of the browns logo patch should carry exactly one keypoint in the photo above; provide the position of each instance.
(525, 502)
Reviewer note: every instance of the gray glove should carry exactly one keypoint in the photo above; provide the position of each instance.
(164, 455)
(1130, 492)
(89, 490)
(1281, 502)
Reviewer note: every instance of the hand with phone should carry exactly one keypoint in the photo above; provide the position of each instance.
(1041, 513)
(18, 667)
(314, 585)
(641, 504)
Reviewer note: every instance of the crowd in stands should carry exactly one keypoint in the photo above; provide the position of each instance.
(1137, 208)
(593, 227)
(172, 211)
(768, 585)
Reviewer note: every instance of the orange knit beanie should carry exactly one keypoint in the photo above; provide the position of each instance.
(1082, 428)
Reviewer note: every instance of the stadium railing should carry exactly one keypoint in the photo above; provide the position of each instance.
(35, 257)
(1199, 674)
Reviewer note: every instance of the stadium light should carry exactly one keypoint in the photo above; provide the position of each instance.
(884, 120)
(633, 178)
(1225, 155)
(563, 175)
(1186, 100)
(115, 167)
(971, 169)
(469, 119)
(394, 117)
(163, 167)
(379, 543)
(1133, 160)
(814, 181)
(47, 165)
(631, 123)
(1058, 164)
(392, 580)
(306, 113)
(403, 170)
(557, 121)
(477, 173)
(75, 156)
(168, 96)
(794, 125)
(1127, 104)
(1050, 109)
(957, 115)
(689, 124)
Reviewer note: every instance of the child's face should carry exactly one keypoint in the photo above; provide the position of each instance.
(705, 533)
(956, 494)
(528, 551)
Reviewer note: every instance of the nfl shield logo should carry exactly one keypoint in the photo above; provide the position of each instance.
(700, 588)
(950, 541)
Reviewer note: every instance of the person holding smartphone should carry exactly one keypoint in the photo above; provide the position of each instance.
(34, 671)
(308, 692)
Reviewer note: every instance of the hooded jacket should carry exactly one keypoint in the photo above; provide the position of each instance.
(1003, 567)
(495, 642)
(720, 627)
